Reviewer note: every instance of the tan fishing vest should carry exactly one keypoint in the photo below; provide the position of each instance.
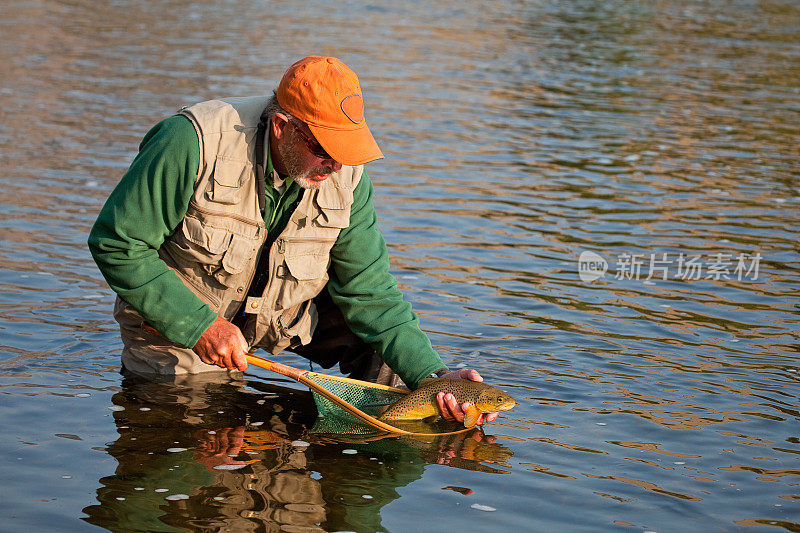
(216, 248)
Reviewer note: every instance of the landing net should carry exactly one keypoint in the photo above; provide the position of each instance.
(367, 397)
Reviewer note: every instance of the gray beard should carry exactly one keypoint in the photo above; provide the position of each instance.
(292, 163)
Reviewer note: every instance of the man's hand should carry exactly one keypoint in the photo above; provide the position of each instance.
(222, 344)
(215, 448)
(449, 407)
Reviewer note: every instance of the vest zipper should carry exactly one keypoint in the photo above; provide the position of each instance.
(234, 216)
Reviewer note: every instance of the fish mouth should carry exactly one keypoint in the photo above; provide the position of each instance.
(505, 406)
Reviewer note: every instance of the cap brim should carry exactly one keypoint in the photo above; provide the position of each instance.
(348, 147)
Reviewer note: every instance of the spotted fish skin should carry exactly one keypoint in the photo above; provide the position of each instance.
(421, 403)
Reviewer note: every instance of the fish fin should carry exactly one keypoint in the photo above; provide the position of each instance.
(471, 416)
(430, 419)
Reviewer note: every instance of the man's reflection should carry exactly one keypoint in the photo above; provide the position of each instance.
(202, 455)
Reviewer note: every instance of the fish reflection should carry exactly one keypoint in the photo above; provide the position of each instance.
(195, 455)
(470, 450)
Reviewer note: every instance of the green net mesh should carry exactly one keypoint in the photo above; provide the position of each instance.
(369, 399)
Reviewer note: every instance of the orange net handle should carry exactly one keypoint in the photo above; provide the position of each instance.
(288, 371)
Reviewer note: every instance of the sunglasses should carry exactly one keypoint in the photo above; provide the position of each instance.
(313, 146)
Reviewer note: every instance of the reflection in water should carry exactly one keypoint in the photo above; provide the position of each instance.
(202, 455)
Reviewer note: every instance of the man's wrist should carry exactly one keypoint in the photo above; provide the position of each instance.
(439, 373)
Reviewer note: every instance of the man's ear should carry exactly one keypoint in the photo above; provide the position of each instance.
(279, 123)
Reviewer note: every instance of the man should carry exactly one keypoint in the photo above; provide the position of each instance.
(248, 222)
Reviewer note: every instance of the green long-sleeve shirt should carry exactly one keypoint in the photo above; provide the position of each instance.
(151, 200)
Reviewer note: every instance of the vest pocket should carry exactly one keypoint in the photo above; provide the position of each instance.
(302, 271)
(206, 245)
(307, 267)
(220, 253)
(239, 253)
(225, 186)
(295, 325)
(334, 207)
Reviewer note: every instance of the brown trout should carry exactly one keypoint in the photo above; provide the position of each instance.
(421, 403)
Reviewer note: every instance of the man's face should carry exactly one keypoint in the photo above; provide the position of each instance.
(303, 166)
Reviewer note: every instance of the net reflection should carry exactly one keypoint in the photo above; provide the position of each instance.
(194, 454)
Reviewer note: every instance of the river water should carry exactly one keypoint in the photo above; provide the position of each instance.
(592, 203)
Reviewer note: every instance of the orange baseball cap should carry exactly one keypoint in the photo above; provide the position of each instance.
(325, 94)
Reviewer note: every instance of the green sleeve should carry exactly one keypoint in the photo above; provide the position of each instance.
(145, 207)
(366, 292)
